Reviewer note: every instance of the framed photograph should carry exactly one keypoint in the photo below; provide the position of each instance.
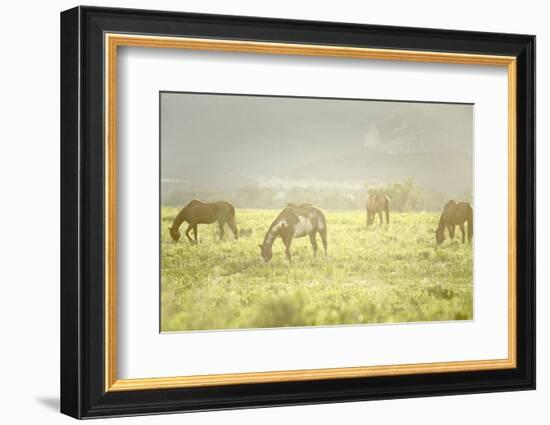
(261, 212)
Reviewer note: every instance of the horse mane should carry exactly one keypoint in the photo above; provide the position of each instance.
(193, 201)
(452, 202)
(442, 218)
(181, 216)
(299, 206)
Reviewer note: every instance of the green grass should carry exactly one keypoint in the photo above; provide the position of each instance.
(377, 275)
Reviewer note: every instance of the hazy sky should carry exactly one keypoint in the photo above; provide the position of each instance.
(219, 137)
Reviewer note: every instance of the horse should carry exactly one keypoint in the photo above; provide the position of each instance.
(376, 204)
(197, 212)
(295, 221)
(455, 214)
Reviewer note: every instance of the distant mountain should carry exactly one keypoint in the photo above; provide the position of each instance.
(448, 172)
(222, 175)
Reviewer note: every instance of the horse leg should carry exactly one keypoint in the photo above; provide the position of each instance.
(381, 220)
(189, 228)
(196, 232)
(323, 233)
(313, 240)
(370, 218)
(470, 227)
(287, 241)
(220, 226)
(463, 233)
(233, 227)
(451, 228)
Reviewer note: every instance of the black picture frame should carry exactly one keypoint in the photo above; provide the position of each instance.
(83, 392)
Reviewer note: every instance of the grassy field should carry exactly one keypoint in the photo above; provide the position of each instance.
(384, 274)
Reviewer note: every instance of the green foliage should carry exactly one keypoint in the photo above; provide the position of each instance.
(383, 274)
(405, 196)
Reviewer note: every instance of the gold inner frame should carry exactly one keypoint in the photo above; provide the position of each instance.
(113, 41)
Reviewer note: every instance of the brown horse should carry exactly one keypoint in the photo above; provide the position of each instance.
(295, 221)
(376, 204)
(197, 212)
(455, 214)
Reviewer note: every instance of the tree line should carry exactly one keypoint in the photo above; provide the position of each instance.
(405, 195)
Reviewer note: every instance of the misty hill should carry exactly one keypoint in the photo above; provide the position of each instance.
(447, 172)
(262, 151)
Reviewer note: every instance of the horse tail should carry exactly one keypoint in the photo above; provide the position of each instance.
(470, 223)
(322, 229)
(387, 209)
(231, 210)
(231, 221)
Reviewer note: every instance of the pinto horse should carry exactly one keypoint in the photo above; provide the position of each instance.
(376, 204)
(197, 212)
(455, 214)
(295, 221)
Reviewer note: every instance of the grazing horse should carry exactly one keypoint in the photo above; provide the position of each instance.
(295, 221)
(197, 212)
(376, 204)
(455, 214)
